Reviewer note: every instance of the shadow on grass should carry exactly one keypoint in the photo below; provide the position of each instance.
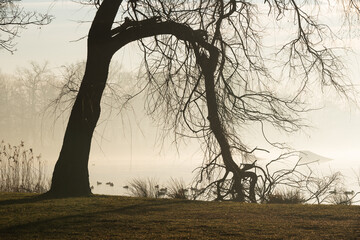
(22, 200)
(78, 219)
(34, 198)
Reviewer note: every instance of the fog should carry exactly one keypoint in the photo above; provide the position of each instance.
(127, 143)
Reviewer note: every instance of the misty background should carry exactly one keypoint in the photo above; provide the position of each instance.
(127, 143)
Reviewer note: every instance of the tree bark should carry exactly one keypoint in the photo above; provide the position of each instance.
(71, 174)
(208, 66)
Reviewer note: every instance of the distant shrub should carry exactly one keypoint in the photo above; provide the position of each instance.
(342, 197)
(20, 170)
(286, 197)
(177, 189)
(144, 188)
(151, 189)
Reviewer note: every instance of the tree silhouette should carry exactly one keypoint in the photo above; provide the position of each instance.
(207, 77)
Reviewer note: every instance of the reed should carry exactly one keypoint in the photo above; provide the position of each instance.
(21, 170)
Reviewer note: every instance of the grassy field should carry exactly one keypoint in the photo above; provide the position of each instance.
(108, 217)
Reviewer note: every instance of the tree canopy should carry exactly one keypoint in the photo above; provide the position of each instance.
(216, 85)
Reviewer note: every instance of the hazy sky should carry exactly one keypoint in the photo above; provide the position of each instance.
(336, 127)
(58, 42)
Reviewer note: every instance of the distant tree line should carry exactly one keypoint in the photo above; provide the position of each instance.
(36, 98)
(23, 97)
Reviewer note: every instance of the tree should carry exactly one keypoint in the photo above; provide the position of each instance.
(13, 18)
(207, 77)
(70, 177)
(71, 77)
(34, 90)
(24, 97)
(216, 90)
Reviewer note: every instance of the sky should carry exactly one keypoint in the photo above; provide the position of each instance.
(334, 132)
(60, 42)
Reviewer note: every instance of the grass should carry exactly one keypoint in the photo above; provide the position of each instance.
(114, 217)
(21, 170)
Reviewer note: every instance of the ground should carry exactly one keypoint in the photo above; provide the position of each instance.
(23, 216)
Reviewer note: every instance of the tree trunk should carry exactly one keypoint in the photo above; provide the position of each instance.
(208, 66)
(71, 176)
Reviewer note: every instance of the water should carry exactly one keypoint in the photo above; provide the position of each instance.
(161, 172)
(121, 174)
(162, 169)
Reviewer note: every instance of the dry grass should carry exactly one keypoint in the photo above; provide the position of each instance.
(286, 197)
(103, 217)
(21, 170)
(144, 188)
(177, 189)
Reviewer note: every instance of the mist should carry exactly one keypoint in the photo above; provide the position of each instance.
(127, 143)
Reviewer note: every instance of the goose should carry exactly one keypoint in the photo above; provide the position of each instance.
(349, 192)
(161, 193)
